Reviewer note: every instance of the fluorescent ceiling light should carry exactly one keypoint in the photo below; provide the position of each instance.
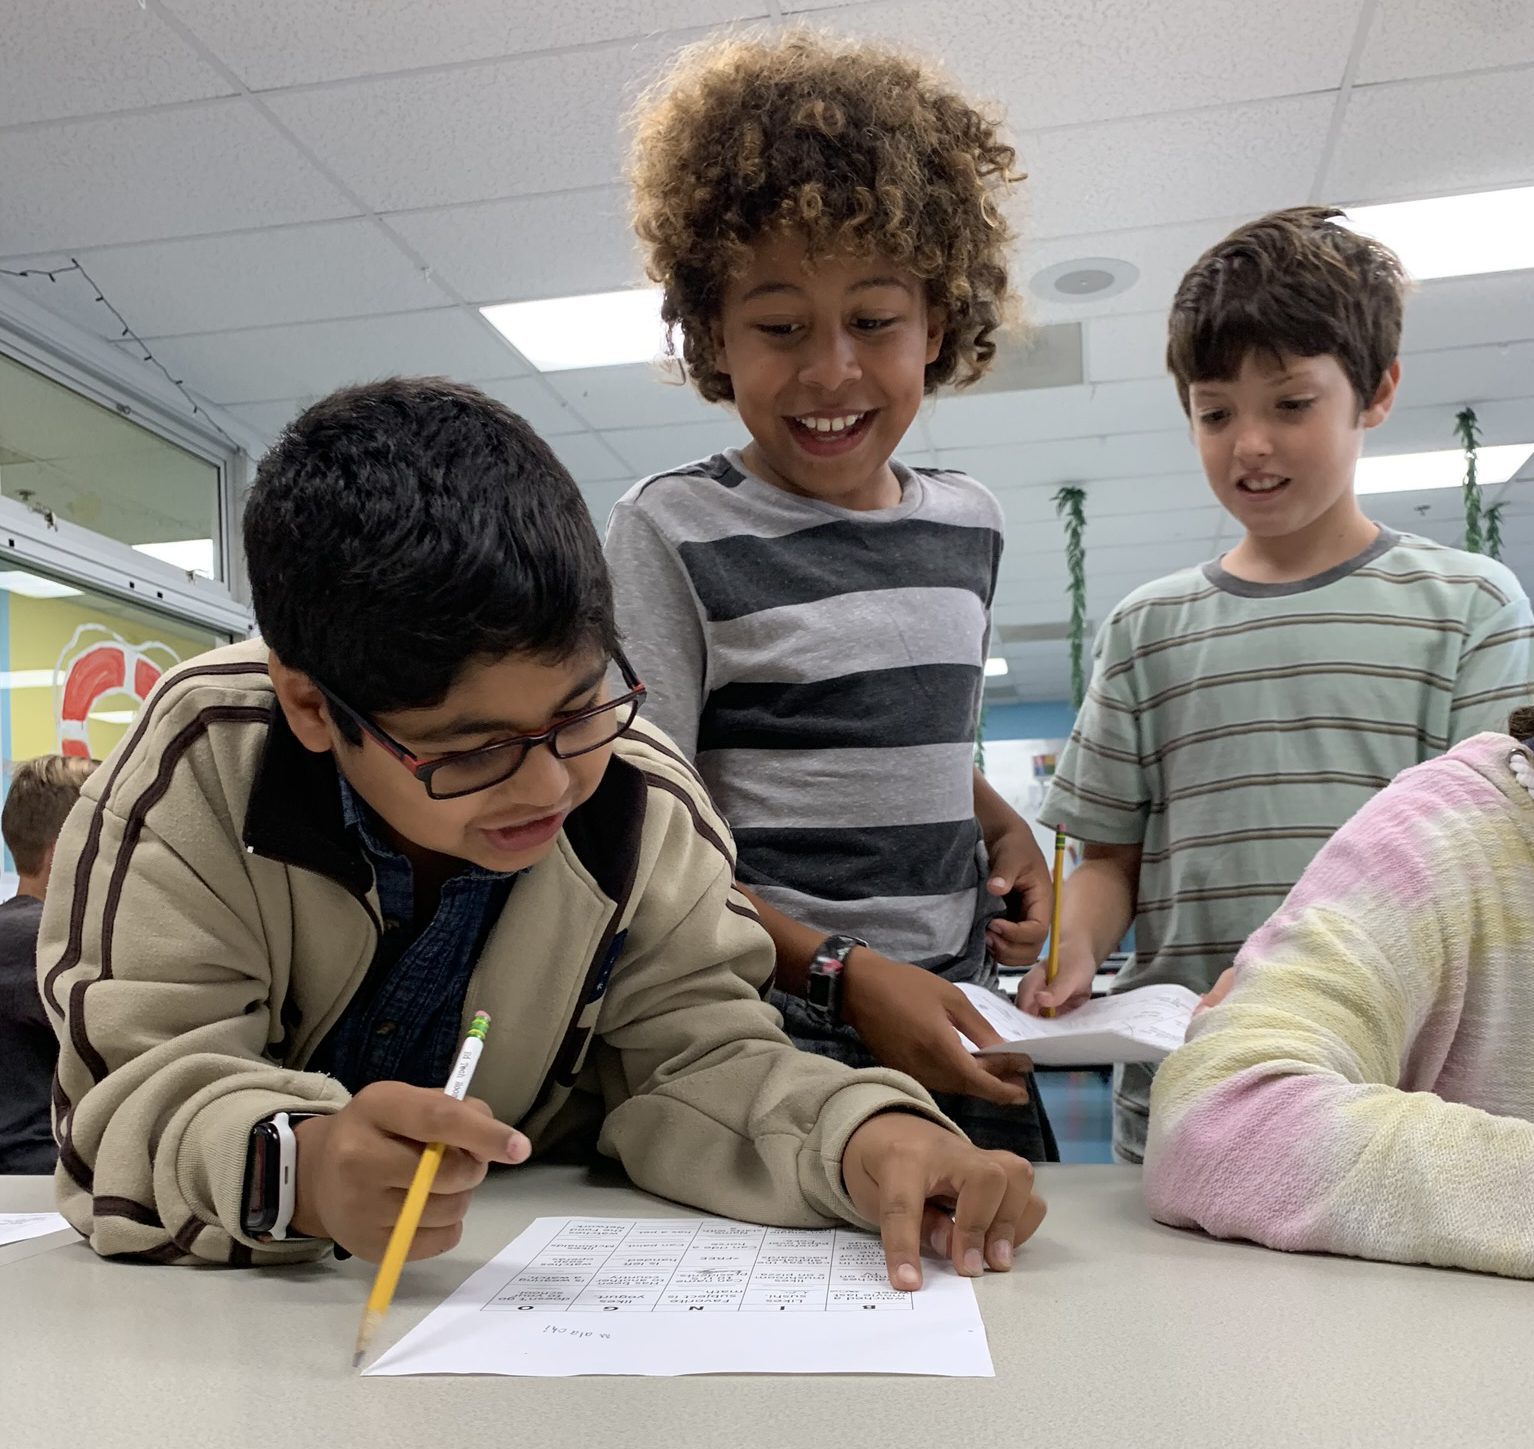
(114, 716)
(604, 329)
(27, 679)
(1411, 472)
(33, 586)
(1455, 236)
(194, 555)
(995, 666)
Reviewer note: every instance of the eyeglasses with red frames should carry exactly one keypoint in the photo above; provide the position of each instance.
(450, 776)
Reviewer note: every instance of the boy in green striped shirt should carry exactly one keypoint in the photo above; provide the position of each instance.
(1241, 711)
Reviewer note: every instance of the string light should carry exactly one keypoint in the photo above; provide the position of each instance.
(127, 334)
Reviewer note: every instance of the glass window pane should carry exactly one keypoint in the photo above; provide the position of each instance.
(63, 452)
(75, 665)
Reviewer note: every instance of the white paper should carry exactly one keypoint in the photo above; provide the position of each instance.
(667, 1296)
(1142, 1025)
(18, 1227)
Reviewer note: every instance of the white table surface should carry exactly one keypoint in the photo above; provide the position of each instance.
(1111, 1330)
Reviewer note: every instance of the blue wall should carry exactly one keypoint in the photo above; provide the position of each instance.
(1045, 720)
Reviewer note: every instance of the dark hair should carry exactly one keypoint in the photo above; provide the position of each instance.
(43, 792)
(1293, 281)
(848, 144)
(1521, 724)
(400, 529)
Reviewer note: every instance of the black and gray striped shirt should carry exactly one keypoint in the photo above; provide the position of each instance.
(824, 668)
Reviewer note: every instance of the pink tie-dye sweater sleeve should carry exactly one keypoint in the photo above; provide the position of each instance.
(1312, 1109)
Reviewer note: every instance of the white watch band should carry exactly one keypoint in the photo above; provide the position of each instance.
(287, 1175)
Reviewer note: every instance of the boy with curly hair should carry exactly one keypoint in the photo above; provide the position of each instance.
(1241, 711)
(811, 616)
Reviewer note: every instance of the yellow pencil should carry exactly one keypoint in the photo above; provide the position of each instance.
(409, 1220)
(1052, 964)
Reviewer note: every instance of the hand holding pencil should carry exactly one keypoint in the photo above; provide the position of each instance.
(418, 1197)
(356, 1166)
(1063, 980)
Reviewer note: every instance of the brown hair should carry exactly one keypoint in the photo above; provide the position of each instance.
(1292, 282)
(1521, 725)
(42, 793)
(858, 148)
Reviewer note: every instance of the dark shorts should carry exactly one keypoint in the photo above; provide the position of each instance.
(1023, 1129)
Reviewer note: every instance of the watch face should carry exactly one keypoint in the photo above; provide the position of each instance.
(262, 1164)
(823, 987)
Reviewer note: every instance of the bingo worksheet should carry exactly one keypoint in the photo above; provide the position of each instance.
(594, 1265)
(664, 1296)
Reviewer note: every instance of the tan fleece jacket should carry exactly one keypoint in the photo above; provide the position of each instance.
(211, 918)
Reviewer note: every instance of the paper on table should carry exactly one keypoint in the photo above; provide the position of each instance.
(18, 1227)
(1142, 1025)
(668, 1296)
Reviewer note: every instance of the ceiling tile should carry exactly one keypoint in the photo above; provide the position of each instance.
(1432, 137)
(210, 284)
(80, 57)
(212, 167)
(652, 450)
(1464, 311)
(1435, 37)
(1126, 347)
(1445, 312)
(265, 363)
(1428, 428)
(439, 137)
(1160, 254)
(1190, 528)
(600, 498)
(270, 418)
(1140, 58)
(1461, 375)
(533, 399)
(532, 246)
(1173, 168)
(1047, 466)
(1110, 497)
(959, 421)
(631, 397)
(587, 456)
(290, 42)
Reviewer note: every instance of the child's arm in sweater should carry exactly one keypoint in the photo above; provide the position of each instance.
(1301, 1113)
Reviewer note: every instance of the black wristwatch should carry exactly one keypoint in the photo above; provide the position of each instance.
(823, 984)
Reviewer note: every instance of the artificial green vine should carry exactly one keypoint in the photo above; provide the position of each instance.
(1470, 438)
(1493, 521)
(1070, 505)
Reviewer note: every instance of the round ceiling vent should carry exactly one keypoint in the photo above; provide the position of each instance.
(1086, 279)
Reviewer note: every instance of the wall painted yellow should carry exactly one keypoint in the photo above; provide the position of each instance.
(40, 632)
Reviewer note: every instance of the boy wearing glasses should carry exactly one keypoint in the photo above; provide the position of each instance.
(423, 793)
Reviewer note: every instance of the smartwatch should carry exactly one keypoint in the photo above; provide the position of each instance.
(271, 1176)
(823, 983)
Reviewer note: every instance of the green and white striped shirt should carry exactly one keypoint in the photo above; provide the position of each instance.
(1232, 727)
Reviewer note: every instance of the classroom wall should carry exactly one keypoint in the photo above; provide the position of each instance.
(1040, 720)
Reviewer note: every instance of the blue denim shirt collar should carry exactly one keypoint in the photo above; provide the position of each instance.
(363, 821)
(404, 1023)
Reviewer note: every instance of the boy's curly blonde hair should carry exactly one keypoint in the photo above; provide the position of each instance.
(858, 148)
